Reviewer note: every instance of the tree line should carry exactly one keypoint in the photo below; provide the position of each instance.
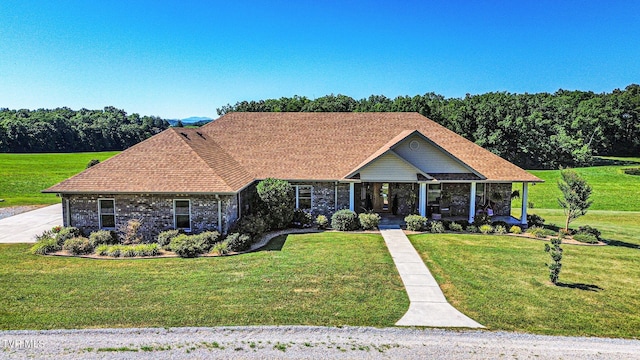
(534, 131)
(67, 130)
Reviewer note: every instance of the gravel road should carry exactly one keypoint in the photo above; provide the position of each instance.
(305, 342)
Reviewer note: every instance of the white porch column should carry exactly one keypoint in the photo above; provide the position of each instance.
(423, 199)
(472, 203)
(352, 190)
(219, 216)
(525, 195)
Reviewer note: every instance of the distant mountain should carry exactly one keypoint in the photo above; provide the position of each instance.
(194, 120)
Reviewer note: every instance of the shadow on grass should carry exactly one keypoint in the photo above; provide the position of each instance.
(585, 287)
(613, 162)
(621, 244)
(275, 244)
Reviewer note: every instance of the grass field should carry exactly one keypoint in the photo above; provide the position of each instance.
(23, 176)
(327, 279)
(612, 188)
(501, 282)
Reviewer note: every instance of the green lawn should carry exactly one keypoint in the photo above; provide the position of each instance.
(326, 279)
(612, 188)
(502, 282)
(23, 176)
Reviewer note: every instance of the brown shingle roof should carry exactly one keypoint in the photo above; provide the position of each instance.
(230, 152)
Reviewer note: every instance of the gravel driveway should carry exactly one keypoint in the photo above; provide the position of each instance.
(305, 342)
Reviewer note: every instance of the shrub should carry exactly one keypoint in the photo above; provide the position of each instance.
(482, 219)
(278, 201)
(534, 220)
(78, 246)
(185, 246)
(114, 250)
(537, 231)
(586, 229)
(128, 251)
(46, 236)
(500, 230)
(102, 250)
(67, 233)
(437, 227)
(555, 251)
(446, 223)
(56, 229)
(415, 222)
(131, 232)
(206, 240)
(454, 226)
(515, 229)
(301, 219)
(252, 225)
(165, 237)
(586, 238)
(500, 223)
(486, 229)
(103, 237)
(369, 221)
(322, 222)
(221, 248)
(344, 220)
(146, 249)
(45, 246)
(472, 229)
(238, 242)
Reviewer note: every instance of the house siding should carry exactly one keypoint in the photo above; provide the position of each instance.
(428, 158)
(388, 168)
(155, 212)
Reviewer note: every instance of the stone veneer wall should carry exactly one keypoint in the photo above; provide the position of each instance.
(323, 197)
(155, 212)
(504, 189)
(408, 197)
(460, 193)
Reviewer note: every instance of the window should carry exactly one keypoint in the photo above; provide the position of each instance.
(303, 197)
(182, 214)
(433, 194)
(481, 196)
(107, 213)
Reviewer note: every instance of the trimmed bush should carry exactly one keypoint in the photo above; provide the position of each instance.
(252, 225)
(103, 237)
(437, 227)
(500, 230)
(322, 222)
(221, 248)
(415, 222)
(278, 199)
(586, 229)
(486, 229)
(472, 229)
(534, 220)
(78, 246)
(67, 233)
(454, 226)
(238, 242)
(186, 246)
(165, 237)
(481, 219)
(515, 229)
(586, 238)
(206, 239)
(369, 221)
(128, 251)
(301, 219)
(45, 246)
(344, 220)
(114, 250)
(147, 249)
(537, 231)
(102, 250)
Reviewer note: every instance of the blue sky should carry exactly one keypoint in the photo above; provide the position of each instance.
(186, 58)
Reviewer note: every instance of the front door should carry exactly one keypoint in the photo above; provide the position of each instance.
(381, 197)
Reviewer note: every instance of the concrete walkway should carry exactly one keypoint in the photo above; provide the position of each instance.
(22, 228)
(428, 306)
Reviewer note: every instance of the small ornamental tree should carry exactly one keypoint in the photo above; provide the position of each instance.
(278, 199)
(575, 195)
(556, 259)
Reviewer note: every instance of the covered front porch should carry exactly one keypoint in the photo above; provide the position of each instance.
(454, 201)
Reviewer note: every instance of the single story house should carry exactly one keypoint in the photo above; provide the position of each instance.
(204, 178)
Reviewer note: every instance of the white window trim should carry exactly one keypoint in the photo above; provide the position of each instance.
(100, 213)
(175, 215)
(298, 194)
